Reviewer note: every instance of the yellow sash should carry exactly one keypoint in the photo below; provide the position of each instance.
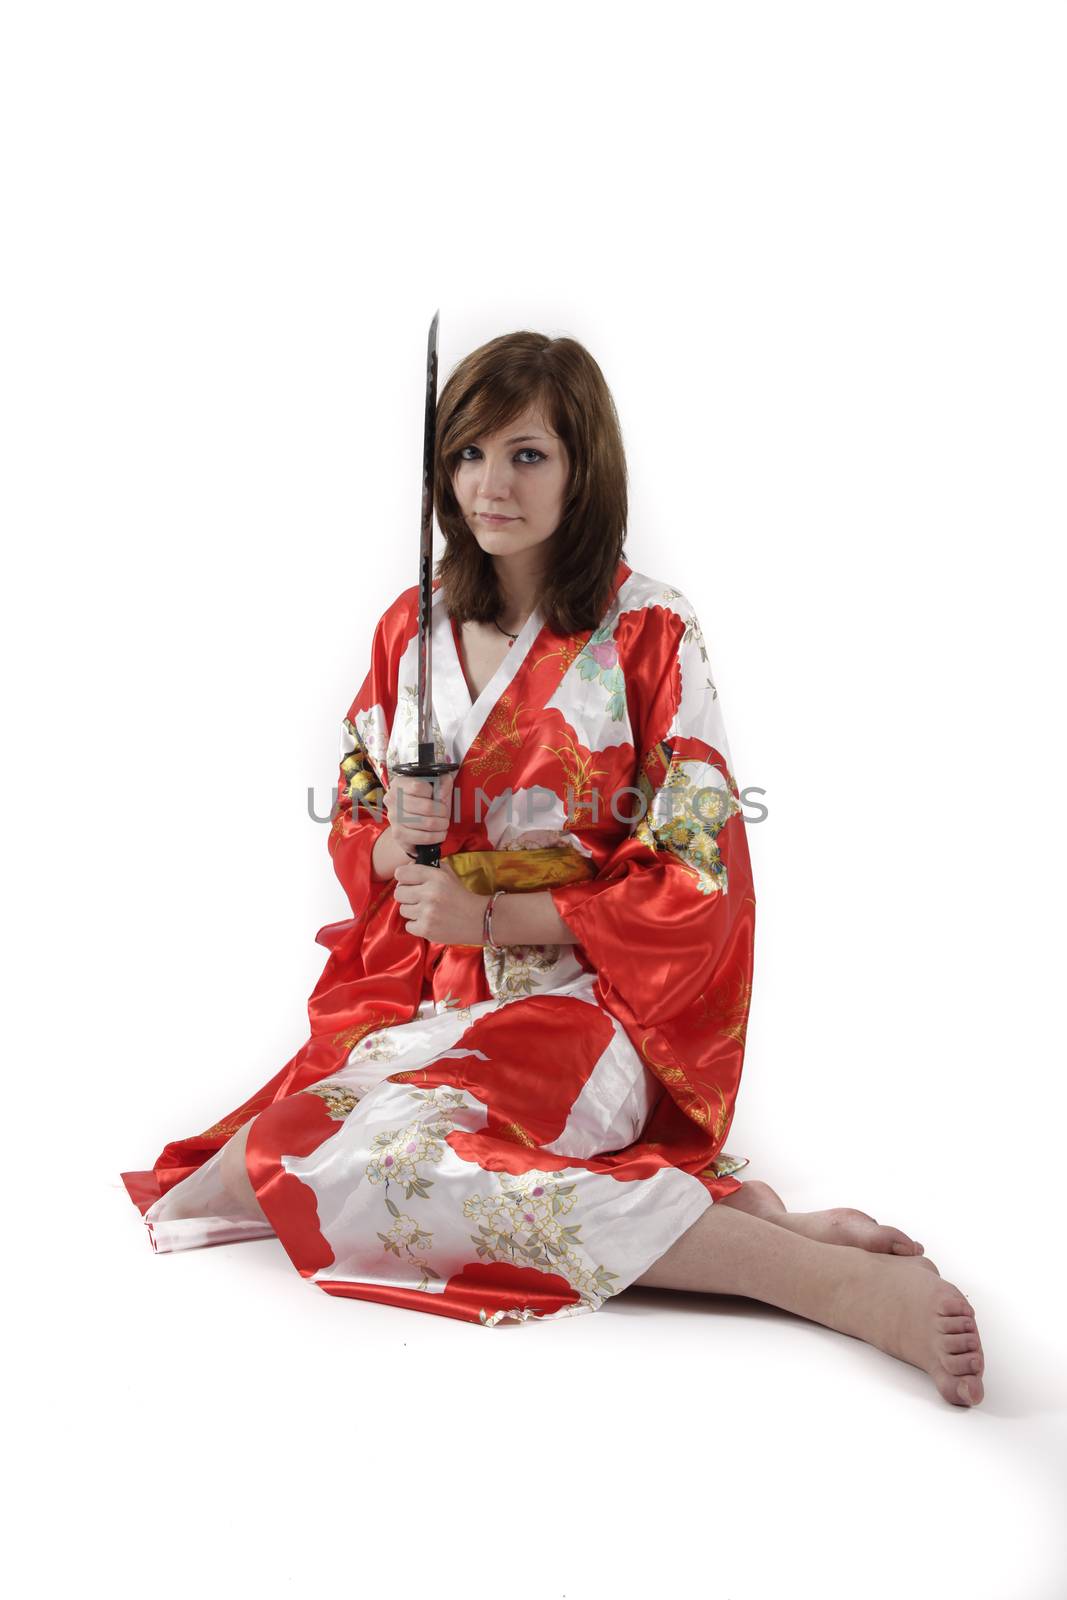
(485, 871)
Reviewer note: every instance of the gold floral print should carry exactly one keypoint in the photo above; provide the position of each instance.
(401, 1150)
(518, 1134)
(405, 1239)
(566, 653)
(579, 773)
(729, 1013)
(693, 1103)
(458, 1008)
(358, 781)
(379, 1046)
(340, 1101)
(657, 762)
(512, 972)
(223, 1130)
(487, 755)
(522, 1223)
(723, 1166)
(348, 1038)
(687, 823)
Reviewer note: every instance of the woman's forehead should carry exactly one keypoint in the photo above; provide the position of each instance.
(529, 423)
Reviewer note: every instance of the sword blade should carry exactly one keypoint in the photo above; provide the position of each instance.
(425, 665)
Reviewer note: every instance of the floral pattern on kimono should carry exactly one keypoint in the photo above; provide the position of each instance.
(490, 1135)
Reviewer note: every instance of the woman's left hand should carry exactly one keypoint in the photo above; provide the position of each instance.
(436, 906)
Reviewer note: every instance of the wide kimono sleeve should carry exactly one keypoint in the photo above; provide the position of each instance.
(359, 817)
(669, 922)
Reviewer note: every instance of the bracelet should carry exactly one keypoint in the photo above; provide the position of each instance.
(487, 924)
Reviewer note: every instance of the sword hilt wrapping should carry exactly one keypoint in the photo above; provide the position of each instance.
(427, 855)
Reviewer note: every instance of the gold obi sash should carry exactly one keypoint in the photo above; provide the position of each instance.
(485, 871)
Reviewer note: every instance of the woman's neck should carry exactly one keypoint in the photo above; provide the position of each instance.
(520, 584)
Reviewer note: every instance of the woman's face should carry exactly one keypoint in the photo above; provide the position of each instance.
(520, 473)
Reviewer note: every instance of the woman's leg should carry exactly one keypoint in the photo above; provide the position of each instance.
(841, 1225)
(918, 1317)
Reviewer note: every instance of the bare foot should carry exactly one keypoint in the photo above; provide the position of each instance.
(839, 1225)
(908, 1315)
(842, 1225)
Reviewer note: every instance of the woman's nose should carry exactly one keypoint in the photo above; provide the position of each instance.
(494, 476)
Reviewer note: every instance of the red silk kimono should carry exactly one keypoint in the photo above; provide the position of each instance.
(520, 1134)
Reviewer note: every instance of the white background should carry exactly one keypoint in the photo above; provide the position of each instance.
(818, 251)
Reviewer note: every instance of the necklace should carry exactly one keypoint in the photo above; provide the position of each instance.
(511, 636)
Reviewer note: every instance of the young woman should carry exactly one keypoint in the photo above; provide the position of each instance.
(523, 1062)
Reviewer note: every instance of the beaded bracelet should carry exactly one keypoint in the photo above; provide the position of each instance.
(487, 924)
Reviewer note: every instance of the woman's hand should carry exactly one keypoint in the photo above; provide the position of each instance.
(436, 906)
(415, 817)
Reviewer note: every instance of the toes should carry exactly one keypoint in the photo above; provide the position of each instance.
(962, 1361)
(953, 1304)
(961, 1346)
(960, 1389)
(881, 1237)
(953, 1324)
(960, 1365)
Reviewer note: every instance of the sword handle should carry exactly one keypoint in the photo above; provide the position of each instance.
(429, 855)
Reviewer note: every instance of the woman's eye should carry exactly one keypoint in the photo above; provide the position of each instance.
(528, 451)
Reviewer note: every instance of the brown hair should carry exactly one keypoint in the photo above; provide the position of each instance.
(490, 388)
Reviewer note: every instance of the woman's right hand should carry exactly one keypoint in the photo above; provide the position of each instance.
(415, 817)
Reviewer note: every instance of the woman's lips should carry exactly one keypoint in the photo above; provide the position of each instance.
(496, 522)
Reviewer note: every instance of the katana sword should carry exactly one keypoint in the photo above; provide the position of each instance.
(427, 855)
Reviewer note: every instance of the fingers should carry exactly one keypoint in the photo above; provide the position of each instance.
(418, 830)
(417, 798)
(415, 815)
